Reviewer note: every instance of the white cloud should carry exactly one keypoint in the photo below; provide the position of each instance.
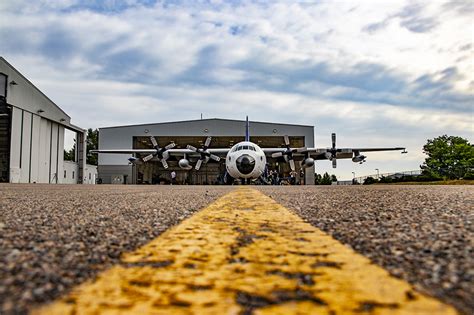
(284, 61)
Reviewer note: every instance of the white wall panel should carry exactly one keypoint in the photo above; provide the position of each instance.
(61, 155)
(71, 169)
(43, 152)
(35, 148)
(25, 152)
(15, 148)
(54, 153)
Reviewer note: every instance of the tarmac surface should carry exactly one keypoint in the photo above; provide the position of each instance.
(422, 234)
(54, 237)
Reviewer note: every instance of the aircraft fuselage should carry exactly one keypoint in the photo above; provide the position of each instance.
(245, 160)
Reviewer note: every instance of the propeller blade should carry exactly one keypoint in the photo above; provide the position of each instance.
(215, 157)
(334, 163)
(190, 147)
(277, 154)
(301, 150)
(333, 136)
(287, 140)
(165, 164)
(207, 143)
(292, 164)
(153, 141)
(170, 146)
(147, 158)
(198, 165)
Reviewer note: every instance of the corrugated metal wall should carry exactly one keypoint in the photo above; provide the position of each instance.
(37, 149)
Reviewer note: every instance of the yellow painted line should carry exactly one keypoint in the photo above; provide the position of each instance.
(245, 254)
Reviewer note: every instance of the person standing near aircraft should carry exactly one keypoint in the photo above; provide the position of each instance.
(302, 179)
(173, 178)
(292, 178)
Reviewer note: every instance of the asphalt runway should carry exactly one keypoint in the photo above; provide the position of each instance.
(54, 237)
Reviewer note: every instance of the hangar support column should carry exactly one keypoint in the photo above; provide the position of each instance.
(81, 156)
(309, 175)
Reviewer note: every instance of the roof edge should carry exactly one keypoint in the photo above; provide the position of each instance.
(34, 86)
(205, 119)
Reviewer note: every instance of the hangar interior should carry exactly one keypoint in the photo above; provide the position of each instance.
(115, 169)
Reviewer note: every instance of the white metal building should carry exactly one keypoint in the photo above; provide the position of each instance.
(115, 169)
(32, 131)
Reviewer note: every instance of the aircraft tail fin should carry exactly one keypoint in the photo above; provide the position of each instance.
(247, 129)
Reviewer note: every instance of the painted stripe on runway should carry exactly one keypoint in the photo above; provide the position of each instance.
(245, 254)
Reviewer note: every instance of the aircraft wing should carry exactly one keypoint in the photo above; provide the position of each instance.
(125, 151)
(217, 151)
(377, 149)
(317, 153)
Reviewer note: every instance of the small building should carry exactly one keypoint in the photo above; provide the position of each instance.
(32, 129)
(116, 169)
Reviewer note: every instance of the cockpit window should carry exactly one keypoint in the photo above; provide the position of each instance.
(244, 147)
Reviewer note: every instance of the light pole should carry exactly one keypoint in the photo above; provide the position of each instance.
(378, 173)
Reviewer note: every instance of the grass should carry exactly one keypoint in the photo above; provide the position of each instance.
(440, 182)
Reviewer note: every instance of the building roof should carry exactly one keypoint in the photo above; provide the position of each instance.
(206, 119)
(32, 85)
(48, 102)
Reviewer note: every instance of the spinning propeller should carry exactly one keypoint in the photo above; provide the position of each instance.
(288, 153)
(160, 152)
(205, 154)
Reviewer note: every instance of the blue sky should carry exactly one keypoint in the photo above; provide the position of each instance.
(378, 74)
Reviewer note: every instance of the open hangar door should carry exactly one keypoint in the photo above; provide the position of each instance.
(152, 172)
(5, 131)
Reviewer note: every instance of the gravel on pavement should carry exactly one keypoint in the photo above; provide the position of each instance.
(423, 234)
(53, 237)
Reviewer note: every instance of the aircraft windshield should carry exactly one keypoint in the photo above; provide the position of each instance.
(245, 147)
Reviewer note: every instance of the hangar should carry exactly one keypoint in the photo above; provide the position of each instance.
(115, 168)
(32, 129)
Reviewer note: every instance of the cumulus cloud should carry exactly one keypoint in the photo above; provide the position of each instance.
(377, 72)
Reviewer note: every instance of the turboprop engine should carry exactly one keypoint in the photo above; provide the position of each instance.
(184, 164)
(135, 161)
(359, 158)
(307, 162)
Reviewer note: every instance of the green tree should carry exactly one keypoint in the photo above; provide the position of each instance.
(326, 180)
(370, 180)
(92, 143)
(448, 156)
(333, 178)
(317, 179)
(71, 154)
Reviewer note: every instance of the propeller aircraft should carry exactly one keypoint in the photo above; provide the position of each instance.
(246, 160)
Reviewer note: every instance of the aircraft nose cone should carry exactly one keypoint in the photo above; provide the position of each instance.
(245, 164)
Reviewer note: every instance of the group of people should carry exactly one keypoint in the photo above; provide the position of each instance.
(274, 178)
